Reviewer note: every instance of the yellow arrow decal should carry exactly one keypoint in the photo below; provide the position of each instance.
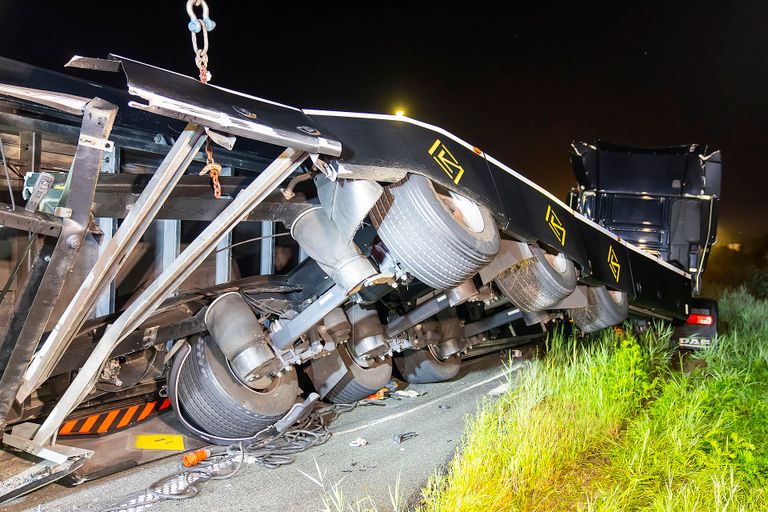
(555, 225)
(613, 262)
(446, 161)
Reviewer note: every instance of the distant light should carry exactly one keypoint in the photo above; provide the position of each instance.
(400, 113)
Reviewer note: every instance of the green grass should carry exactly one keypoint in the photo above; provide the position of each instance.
(606, 424)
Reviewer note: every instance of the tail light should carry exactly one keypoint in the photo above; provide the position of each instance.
(697, 319)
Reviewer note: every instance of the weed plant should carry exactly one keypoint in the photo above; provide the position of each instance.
(621, 422)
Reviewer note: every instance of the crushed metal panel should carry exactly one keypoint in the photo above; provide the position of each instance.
(174, 95)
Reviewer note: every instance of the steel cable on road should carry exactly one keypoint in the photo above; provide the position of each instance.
(223, 463)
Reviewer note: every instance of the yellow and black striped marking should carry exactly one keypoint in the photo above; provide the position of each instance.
(116, 419)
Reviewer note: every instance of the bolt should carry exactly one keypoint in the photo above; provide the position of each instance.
(73, 242)
(159, 138)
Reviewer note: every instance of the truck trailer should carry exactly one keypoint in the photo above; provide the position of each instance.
(408, 247)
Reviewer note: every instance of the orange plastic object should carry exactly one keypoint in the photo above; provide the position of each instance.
(379, 395)
(195, 458)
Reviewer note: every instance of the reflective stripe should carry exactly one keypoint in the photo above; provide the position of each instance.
(108, 421)
(67, 427)
(147, 411)
(128, 416)
(88, 425)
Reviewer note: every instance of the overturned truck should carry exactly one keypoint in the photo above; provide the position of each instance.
(410, 247)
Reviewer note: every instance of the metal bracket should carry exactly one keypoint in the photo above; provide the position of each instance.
(510, 253)
(225, 141)
(577, 299)
(21, 438)
(322, 166)
(304, 321)
(327, 371)
(95, 142)
(39, 191)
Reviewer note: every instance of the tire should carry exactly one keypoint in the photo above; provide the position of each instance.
(441, 239)
(606, 308)
(220, 404)
(539, 282)
(422, 367)
(359, 382)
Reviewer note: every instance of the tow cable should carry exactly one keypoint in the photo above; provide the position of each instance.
(218, 463)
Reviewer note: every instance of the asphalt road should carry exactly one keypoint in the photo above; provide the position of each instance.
(374, 471)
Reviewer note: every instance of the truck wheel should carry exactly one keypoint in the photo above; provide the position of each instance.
(217, 402)
(422, 366)
(440, 237)
(360, 381)
(606, 308)
(539, 282)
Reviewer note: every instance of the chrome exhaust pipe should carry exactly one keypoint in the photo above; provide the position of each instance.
(340, 259)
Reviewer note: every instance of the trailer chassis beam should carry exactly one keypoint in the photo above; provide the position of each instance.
(154, 294)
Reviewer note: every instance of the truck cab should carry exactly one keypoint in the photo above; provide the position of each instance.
(663, 200)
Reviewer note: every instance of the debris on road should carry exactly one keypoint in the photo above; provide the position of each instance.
(499, 390)
(392, 386)
(357, 443)
(399, 438)
(407, 393)
(444, 407)
(379, 395)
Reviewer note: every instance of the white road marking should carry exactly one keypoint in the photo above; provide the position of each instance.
(512, 369)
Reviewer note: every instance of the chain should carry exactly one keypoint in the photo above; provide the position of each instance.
(196, 26)
(213, 169)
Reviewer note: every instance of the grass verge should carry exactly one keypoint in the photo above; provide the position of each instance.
(604, 423)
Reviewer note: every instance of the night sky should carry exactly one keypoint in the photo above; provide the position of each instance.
(521, 83)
